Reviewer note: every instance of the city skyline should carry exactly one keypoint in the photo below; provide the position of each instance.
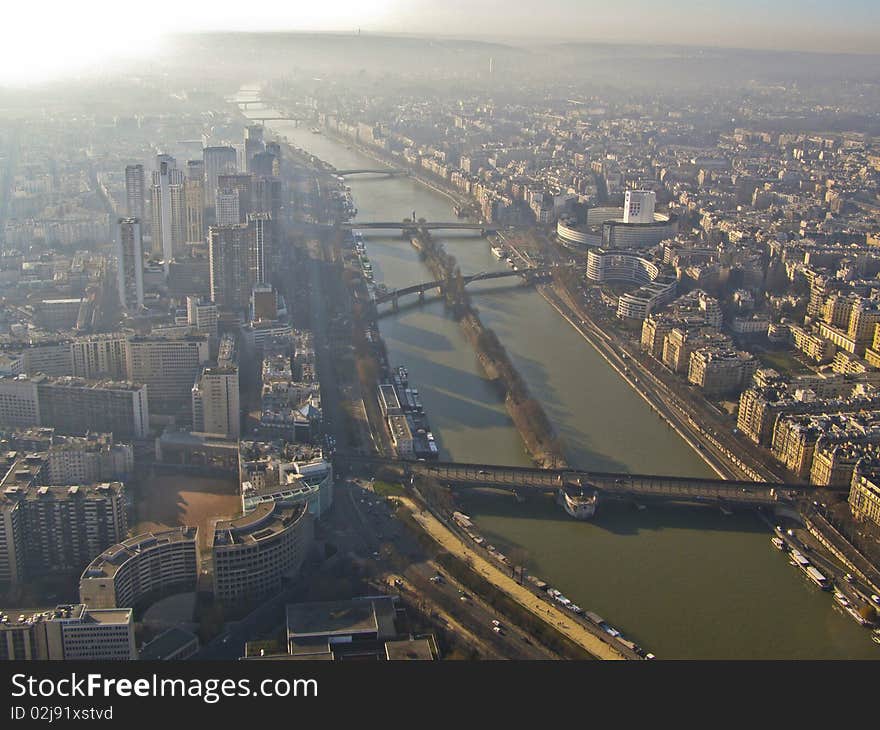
(440, 336)
(75, 43)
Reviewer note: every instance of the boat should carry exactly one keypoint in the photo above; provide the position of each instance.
(842, 601)
(875, 636)
(778, 542)
(817, 577)
(498, 252)
(798, 559)
(577, 502)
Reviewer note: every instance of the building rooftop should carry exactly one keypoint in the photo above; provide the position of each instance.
(409, 649)
(108, 563)
(330, 618)
(266, 520)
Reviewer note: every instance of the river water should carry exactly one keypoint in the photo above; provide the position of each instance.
(684, 582)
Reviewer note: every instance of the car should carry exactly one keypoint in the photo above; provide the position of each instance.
(848, 577)
(463, 598)
(497, 630)
(875, 598)
(496, 622)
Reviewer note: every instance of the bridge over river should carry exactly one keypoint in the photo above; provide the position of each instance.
(638, 487)
(393, 295)
(386, 171)
(483, 228)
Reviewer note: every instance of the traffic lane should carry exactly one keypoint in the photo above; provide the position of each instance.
(474, 615)
(511, 642)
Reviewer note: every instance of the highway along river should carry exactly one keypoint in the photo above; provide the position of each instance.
(683, 582)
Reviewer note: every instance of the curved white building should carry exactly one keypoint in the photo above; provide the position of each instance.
(636, 225)
(656, 288)
(149, 564)
(253, 554)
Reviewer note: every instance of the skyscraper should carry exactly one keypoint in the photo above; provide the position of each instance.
(239, 256)
(194, 193)
(134, 191)
(244, 184)
(130, 273)
(226, 206)
(260, 236)
(168, 209)
(264, 164)
(218, 161)
(253, 143)
(228, 259)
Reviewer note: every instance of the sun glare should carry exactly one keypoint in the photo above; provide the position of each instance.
(47, 39)
(43, 43)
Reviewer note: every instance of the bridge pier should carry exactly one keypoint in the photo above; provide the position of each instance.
(395, 303)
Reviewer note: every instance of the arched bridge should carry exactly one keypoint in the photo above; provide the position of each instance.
(279, 118)
(426, 286)
(387, 171)
(608, 484)
(483, 228)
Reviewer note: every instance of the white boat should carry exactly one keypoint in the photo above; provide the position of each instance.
(817, 577)
(498, 252)
(578, 503)
(875, 636)
(778, 542)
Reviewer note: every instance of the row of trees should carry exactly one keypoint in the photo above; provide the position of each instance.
(528, 414)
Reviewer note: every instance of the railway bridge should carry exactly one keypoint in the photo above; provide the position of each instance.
(638, 487)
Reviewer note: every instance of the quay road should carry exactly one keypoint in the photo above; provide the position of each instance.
(364, 528)
(708, 435)
(718, 450)
(614, 485)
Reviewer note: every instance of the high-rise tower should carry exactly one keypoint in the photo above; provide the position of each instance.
(130, 274)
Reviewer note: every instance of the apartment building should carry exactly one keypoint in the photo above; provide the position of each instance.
(152, 563)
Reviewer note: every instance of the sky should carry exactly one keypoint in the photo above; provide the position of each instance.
(47, 38)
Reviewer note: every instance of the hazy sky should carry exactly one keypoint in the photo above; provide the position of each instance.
(46, 37)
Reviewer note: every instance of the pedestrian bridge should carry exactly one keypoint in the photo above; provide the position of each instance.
(647, 487)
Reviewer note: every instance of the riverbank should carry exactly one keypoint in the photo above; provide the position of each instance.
(453, 195)
(551, 615)
(644, 569)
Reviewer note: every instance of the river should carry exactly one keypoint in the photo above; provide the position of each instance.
(684, 582)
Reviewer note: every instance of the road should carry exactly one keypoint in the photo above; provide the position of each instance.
(363, 526)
